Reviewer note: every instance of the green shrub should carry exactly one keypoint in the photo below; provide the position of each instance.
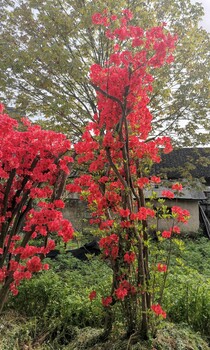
(59, 299)
(56, 301)
(187, 294)
(197, 255)
(187, 299)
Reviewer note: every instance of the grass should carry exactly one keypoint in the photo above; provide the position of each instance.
(59, 316)
(18, 333)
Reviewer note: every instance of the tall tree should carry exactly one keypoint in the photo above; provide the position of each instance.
(48, 46)
(116, 149)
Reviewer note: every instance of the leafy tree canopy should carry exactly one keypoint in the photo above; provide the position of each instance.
(48, 47)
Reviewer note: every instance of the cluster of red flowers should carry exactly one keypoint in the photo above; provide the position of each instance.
(109, 245)
(167, 194)
(122, 86)
(48, 219)
(92, 295)
(177, 187)
(168, 233)
(20, 271)
(24, 270)
(106, 301)
(142, 181)
(157, 309)
(124, 289)
(129, 257)
(125, 70)
(181, 215)
(33, 165)
(143, 214)
(161, 267)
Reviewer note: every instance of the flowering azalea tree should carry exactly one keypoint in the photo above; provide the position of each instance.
(119, 152)
(33, 168)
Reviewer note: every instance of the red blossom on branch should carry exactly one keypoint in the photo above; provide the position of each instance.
(157, 309)
(129, 257)
(155, 179)
(106, 301)
(177, 187)
(168, 194)
(121, 293)
(109, 245)
(166, 234)
(161, 267)
(175, 229)
(142, 181)
(92, 295)
(181, 215)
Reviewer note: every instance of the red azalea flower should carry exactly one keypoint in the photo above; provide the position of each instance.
(177, 187)
(166, 234)
(142, 181)
(129, 257)
(161, 267)
(34, 264)
(121, 293)
(92, 295)
(175, 229)
(155, 179)
(167, 194)
(106, 301)
(157, 309)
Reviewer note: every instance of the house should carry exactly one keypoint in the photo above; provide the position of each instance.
(189, 198)
(189, 166)
(185, 163)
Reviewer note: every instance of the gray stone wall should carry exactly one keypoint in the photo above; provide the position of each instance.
(76, 211)
(193, 223)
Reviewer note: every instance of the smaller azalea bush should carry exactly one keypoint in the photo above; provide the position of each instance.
(61, 299)
(34, 165)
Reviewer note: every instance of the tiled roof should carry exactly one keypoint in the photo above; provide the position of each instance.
(181, 163)
(186, 193)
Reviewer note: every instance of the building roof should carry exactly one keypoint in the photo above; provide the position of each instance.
(186, 194)
(185, 162)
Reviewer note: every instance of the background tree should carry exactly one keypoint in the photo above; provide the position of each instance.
(48, 46)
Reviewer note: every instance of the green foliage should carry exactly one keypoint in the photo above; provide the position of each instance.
(187, 296)
(18, 333)
(57, 44)
(197, 255)
(170, 337)
(178, 337)
(15, 331)
(187, 299)
(58, 300)
(54, 306)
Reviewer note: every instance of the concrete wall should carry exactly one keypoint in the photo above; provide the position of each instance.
(192, 206)
(77, 212)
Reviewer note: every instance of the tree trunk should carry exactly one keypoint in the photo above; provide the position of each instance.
(109, 318)
(4, 293)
